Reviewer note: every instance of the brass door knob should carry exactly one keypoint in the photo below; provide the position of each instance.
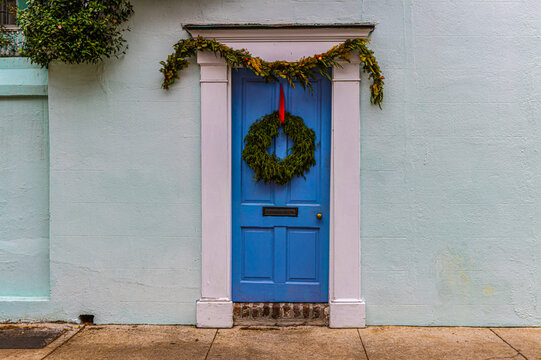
(319, 216)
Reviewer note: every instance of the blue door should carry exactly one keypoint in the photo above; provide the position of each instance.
(280, 259)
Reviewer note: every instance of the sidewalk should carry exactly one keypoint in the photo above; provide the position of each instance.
(373, 343)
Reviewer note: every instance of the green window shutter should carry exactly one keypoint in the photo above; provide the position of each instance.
(21, 4)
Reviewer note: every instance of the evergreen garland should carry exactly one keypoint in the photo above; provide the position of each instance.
(302, 70)
(269, 167)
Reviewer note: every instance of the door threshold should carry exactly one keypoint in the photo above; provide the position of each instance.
(280, 314)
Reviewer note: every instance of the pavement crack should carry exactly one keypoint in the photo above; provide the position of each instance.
(65, 342)
(511, 346)
(362, 343)
(211, 343)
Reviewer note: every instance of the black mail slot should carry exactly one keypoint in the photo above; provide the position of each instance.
(280, 211)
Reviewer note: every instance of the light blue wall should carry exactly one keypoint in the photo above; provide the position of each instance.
(451, 170)
(450, 167)
(24, 181)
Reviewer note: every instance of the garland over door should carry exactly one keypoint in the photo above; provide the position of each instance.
(280, 258)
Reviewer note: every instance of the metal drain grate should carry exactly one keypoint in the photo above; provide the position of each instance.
(27, 337)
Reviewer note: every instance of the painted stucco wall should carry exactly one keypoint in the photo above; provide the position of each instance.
(451, 195)
(450, 167)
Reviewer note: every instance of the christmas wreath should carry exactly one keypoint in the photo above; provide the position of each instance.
(269, 167)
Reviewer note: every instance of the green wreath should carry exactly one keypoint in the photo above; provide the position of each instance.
(269, 167)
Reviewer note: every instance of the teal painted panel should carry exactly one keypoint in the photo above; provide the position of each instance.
(23, 90)
(18, 77)
(24, 197)
(18, 63)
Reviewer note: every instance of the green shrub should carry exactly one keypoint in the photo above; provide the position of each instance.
(4, 41)
(73, 31)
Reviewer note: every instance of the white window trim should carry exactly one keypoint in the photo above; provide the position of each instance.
(347, 307)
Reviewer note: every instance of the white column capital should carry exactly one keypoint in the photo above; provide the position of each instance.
(349, 71)
(208, 58)
(214, 69)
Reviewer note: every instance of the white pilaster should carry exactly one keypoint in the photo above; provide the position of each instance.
(347, 308)
(215, 308)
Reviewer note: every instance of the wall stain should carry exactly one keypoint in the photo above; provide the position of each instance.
(452, 279)
(489, 290)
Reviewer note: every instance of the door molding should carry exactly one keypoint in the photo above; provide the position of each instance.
(347, 307)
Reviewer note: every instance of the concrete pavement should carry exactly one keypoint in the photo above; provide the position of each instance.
(373, 343)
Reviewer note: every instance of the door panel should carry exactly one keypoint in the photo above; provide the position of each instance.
(280, 259)
(257, 251)
(302, 254)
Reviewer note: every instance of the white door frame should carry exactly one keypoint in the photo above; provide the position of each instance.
(347, 307)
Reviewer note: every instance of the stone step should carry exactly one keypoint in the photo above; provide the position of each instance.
(281, 314)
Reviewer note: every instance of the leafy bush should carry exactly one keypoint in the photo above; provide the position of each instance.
(4, 41)
(73, 31)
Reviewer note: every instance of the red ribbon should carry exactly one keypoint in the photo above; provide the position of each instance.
(282, 108)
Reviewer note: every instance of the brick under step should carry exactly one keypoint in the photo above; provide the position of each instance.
(281, 314)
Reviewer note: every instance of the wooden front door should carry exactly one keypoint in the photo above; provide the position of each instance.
(277, 258)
